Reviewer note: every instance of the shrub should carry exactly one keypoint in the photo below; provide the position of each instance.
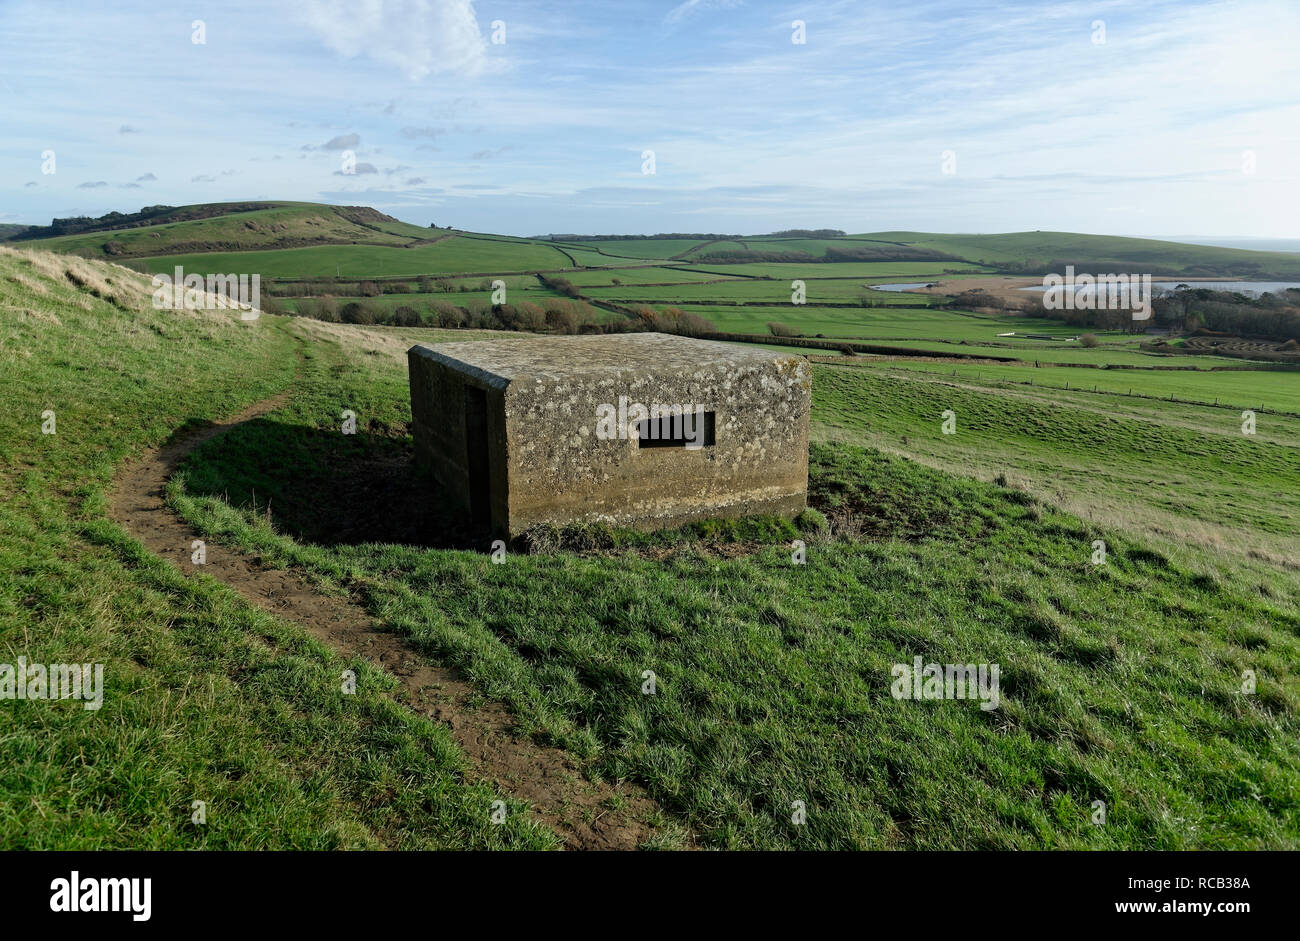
(531, 317)
(449, 315)
(363, 314)
(561, 320)
(693, 325)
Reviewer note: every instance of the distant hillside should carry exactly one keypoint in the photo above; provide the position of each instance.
(223, 227)
(1029, 253)
(10, 229)
(149, 215)
(689, 236)
(1041, 252)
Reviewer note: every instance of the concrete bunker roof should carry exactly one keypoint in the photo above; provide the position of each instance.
(499, 362)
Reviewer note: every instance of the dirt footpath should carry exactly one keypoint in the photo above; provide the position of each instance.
(581, 812)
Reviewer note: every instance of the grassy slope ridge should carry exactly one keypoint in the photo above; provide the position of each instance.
(279, 225)
(206, 698)
(1121, 682)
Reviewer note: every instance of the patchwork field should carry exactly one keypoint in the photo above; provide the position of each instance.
(1121, 682)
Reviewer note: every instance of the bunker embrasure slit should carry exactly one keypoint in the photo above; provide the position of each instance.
(683, 429)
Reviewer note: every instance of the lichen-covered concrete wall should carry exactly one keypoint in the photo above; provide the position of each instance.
(550, 465)
(561, 470)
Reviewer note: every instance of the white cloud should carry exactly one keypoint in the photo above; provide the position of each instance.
(690, 7)
(342, 142)
(419, 37)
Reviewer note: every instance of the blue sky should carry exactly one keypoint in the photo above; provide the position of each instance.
(1185, 120)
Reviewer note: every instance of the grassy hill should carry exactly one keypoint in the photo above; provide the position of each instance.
(1121, 682)
(207, 698)
(238, 227)
(1038, 252)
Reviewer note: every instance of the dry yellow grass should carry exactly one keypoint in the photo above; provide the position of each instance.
(124, 288)
(390, 342)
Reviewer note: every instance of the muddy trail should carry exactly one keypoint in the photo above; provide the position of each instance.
(584, 814)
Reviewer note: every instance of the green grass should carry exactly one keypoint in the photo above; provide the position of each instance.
(1241, 389)
(1159, 469)
(874, 323)
(206, 698)
(640, 248)
(1115, 350)
(746, 290)
(634, 276)
(459, 255)
(1120, 682)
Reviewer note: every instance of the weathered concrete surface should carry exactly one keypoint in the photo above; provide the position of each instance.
(548, 464)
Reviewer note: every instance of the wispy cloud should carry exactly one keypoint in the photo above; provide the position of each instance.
(751, 131)
(690, 7)
(418, 37)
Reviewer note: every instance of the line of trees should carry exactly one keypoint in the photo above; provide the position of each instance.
(832, 255)
(1272, 316)
(1266, 317)
(556, 315)
(808, 233)
(569, 237)
(425, 284)
(714, 236)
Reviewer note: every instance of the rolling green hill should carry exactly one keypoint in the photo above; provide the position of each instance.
(1037, 252)
(240, 227)
(315, 232)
